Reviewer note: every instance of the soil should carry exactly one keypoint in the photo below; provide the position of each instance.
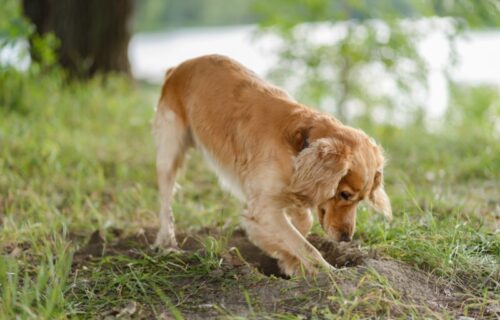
(423, 292)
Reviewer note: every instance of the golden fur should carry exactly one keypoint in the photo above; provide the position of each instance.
(279, 156)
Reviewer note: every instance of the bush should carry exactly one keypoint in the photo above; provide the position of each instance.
(16, 81)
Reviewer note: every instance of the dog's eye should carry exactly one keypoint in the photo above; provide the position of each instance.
(345, 195)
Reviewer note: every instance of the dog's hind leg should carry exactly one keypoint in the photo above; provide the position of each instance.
(172, 141)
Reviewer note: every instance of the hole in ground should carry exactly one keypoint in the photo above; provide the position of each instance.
(339, 255)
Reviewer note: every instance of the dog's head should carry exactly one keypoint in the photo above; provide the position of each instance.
(335, 173)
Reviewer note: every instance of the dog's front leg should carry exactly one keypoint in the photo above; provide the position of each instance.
(270, 229)
(301, 219)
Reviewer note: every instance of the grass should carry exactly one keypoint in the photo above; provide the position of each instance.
(76, 158)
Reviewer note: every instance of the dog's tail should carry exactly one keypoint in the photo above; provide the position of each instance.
(168, 98)
(168, 74)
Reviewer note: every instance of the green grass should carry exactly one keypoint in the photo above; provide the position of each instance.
(77, 158)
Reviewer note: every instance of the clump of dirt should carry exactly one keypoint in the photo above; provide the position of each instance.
(341, 254)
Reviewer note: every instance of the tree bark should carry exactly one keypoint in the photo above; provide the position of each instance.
(93, 34)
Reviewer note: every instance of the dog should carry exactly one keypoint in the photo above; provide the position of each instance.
(280, 157)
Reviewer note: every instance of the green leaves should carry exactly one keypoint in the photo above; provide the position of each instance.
(360, 54)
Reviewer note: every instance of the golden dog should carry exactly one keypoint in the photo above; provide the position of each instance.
(279, 156)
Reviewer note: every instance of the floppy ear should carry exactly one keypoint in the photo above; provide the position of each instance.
(318, 170)
(300, 140)
(378, 199)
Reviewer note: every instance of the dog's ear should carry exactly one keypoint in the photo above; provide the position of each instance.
(300, 140)
(378, 198)
(319, 168)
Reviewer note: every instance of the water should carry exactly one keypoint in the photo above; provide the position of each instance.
(151, 54)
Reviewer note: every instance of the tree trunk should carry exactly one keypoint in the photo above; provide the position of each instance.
(94, 34)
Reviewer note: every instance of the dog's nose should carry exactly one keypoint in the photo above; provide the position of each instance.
(345, 237)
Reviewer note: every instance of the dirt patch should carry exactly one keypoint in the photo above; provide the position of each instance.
(343, 254)
(380, 286)
(337, 254)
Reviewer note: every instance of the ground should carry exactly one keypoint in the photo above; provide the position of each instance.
(78, 214)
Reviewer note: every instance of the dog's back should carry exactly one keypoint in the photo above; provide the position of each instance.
(227, 109)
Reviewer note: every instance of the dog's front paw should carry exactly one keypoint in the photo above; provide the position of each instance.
(292, 266)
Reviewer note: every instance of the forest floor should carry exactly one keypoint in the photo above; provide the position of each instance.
(78, 214)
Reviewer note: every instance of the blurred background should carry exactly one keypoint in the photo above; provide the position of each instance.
(395, 61)
(79, 80)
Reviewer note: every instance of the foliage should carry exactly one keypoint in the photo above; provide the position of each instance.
(160, 14)
(15, 31)
(475, 105)
(363, 55)
(12, 24)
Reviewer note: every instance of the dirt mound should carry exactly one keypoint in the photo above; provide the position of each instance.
(343, 254)
(337, 254)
